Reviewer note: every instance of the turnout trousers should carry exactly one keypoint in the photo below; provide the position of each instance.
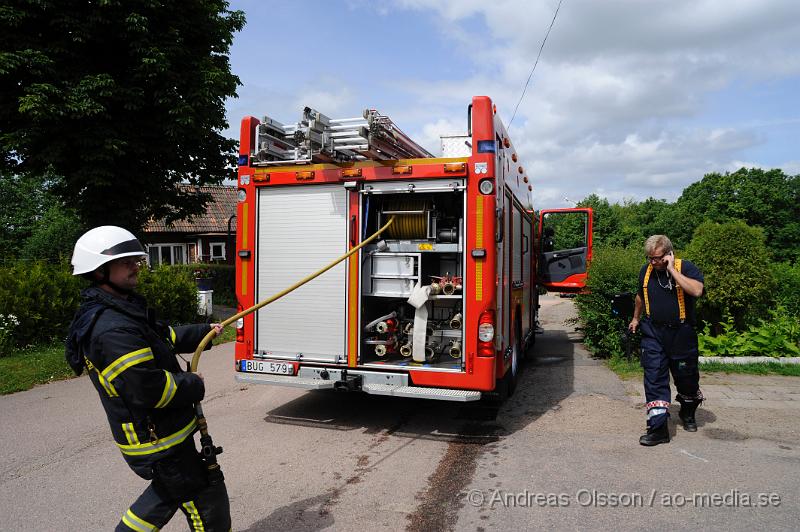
(208, 510)
(668, 348)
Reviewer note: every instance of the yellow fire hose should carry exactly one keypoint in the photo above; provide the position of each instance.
(264, 303)
(209, 451)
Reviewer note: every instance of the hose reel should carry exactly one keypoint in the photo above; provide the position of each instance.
(415, 219)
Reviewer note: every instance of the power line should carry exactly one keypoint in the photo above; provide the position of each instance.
(536, 63)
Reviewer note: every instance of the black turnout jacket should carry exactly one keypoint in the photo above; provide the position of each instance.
(130, 357)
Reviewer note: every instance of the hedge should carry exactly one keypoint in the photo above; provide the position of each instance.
(172, 292)
(223, 278)
(613, 270)
(787, 291)
(43, 298)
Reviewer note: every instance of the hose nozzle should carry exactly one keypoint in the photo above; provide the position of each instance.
(456, 321)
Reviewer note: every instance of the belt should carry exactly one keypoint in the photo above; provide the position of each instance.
(667, 324)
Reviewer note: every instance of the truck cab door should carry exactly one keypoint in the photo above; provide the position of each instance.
(565, 248)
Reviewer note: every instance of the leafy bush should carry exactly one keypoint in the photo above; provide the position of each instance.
(172, 292)
(8, 323)
(778, 336)
(738, 279)
(613, 270)
(224, 280)
(787, 293)
(42, 296)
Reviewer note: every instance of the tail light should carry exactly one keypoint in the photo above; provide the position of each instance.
(239, 326)
(486, 334)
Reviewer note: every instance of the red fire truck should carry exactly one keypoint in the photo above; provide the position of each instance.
(443, 305)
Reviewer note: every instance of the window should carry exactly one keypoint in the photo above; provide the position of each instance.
(158, 254)
(217, 251)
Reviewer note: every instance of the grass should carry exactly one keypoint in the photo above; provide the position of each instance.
(626, 370)
(228, 335)
(25, 368)
(630, 370)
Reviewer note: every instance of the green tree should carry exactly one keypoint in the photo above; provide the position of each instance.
(21, 200)
(34, 224)
(738, 278)
(54, 235)
(120, 100)
(765, 198)
(605, 219)
(569, 229)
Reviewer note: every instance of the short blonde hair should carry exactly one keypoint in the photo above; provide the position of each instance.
(658, 241)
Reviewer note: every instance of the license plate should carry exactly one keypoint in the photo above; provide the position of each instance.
(268, 366)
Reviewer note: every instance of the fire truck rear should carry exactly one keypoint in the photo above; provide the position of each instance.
(442, 306)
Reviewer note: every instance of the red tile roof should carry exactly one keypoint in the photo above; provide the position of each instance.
(215, 220)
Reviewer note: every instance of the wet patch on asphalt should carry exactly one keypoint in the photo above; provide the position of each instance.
(441, 501)
(725, 434)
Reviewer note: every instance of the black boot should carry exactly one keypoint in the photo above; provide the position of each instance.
(655, 436)
(688, 408)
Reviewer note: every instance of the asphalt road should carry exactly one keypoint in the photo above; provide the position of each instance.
(562, 453)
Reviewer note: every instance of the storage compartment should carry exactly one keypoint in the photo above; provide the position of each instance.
(422, 250)
(391, 274)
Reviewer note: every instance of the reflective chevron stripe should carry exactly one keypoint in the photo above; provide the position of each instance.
(162, 444)
(169, 390)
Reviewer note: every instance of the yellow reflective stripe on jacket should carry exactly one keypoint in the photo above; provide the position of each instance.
(681, 296)
(126, 361)
(137, 523)
(130, 433)
(162, 444)
(110, 390)
(194, 515)
(172, 335)
(169, 390)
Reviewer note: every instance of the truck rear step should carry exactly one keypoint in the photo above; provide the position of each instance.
(444, 394)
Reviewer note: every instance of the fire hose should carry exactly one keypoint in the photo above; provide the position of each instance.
(208, 449)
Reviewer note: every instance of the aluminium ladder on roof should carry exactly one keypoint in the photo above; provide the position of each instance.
(317, 138)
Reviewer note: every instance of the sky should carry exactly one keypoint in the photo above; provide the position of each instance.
(630, 99)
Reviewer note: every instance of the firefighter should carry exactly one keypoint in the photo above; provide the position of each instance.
(148, 398)
(668, 289)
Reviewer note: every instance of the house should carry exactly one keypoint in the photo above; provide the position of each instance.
(210, 237)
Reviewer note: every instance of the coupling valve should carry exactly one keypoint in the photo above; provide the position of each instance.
(455, 349)
(386, 326)
(380, 350)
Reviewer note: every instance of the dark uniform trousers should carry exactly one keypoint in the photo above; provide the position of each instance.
(668, 348)
(208, 510)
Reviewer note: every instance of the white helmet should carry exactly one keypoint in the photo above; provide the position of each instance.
(101, 245)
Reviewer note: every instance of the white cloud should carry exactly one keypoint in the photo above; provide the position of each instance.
(615, 104)
(631, 98)
(332, 103)
(791, 167)
(432, 132)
